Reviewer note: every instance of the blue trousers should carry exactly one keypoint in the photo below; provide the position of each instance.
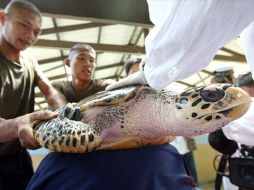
(151, 168)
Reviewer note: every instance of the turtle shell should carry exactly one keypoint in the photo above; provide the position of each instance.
(114, 97)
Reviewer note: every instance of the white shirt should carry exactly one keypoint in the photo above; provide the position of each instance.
(180, 144)
(188, 33)
(242, 129)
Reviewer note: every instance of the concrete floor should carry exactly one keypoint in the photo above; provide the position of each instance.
(207, 186)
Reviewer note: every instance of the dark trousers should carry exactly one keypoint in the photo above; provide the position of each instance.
(148, 168)
(15, 171)
(190, 162)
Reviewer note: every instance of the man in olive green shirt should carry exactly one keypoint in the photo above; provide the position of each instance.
(20, 25)
(81, 60)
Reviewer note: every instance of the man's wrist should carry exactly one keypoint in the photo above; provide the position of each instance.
(9, 130)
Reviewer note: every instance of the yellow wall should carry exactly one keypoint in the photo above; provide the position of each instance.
(36, 160)
(204, 156)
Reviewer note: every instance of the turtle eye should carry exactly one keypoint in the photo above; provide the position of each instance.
(212, 95)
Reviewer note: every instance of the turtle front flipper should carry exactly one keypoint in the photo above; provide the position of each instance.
(71, 112)
(69, 136)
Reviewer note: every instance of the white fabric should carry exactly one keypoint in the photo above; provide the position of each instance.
(247, 41)
(242, 129)
(135, 78)
(227, 185)
(180, 144)
(187, 35)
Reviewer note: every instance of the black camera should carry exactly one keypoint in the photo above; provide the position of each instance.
(241, 172)
(241, 169)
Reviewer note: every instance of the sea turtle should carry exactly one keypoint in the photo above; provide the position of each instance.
(140, 116)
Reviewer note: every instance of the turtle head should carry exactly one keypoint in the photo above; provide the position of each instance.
(207, 108)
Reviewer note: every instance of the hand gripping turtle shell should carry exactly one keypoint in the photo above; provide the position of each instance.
(140, 116)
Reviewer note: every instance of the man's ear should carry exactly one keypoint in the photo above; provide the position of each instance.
(2, 17)
(67, 62)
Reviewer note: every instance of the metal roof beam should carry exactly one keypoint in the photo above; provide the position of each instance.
(235, 58)
(185, 83)
(108, 66)
(230, 51)
(63, 76)
(98, 47)
(72, 28)
(121, 11)
(50, 60)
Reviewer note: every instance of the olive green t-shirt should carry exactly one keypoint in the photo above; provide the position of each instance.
(72, 95)
(17, 82)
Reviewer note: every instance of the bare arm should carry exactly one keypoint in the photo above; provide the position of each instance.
(22, 128)
(9, 130)
(54, 98)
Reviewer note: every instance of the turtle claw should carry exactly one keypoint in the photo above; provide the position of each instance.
(70, 112)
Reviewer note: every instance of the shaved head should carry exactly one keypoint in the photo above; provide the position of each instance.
(15, 5)
(81, 48)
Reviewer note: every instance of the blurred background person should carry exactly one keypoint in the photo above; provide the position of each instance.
(223, 74)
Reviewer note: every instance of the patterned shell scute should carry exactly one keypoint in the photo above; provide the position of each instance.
(116, 97)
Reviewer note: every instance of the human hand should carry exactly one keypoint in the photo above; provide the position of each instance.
(136, 78)
(25, 127)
